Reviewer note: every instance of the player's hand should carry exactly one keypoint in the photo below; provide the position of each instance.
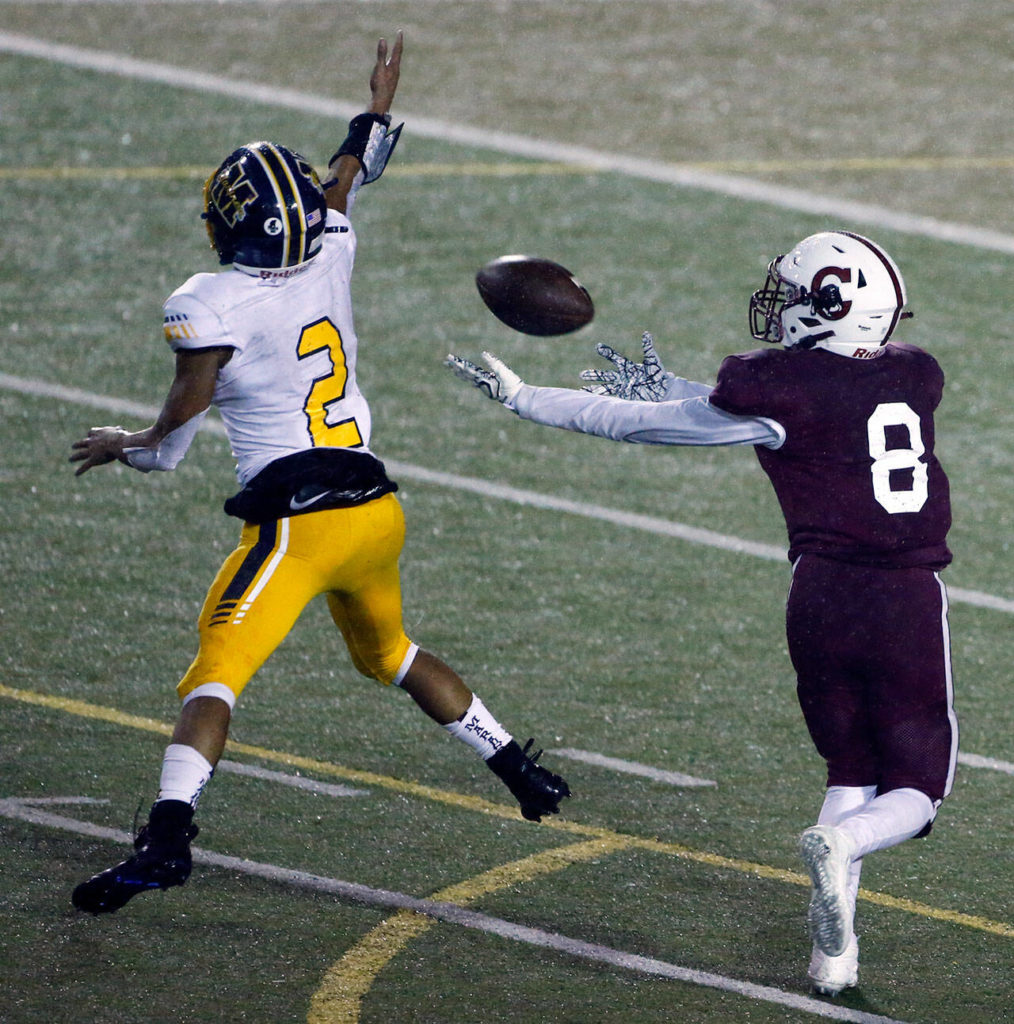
(101, 445)
(499, 382)
(384, 79)
(639, 382)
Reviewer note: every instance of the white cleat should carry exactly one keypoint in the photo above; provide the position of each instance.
(829, 975)
(827, 853)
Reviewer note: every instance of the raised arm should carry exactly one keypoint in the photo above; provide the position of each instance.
(348, 162)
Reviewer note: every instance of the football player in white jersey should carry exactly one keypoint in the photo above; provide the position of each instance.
(271, 343)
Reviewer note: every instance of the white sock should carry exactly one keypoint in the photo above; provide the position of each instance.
(185, 773)
(841, 802)
(480, 730)
(887, 820)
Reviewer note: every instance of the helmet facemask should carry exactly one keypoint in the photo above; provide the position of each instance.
(767, 303)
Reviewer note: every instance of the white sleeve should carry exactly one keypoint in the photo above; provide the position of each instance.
(168, 454)
(685, 421)
(680, 387)
(190, 322)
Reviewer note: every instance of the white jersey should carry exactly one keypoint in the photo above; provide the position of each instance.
(291, 382)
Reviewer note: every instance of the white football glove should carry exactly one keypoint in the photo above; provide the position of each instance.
(499, 381)
(637, 382)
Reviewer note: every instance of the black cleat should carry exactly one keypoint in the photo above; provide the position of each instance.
(536, 789)
(159, 862)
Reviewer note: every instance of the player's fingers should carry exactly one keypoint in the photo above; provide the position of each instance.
(608, 352)
(461, 368)
(495, 363)
(399, 42)
(87, 464)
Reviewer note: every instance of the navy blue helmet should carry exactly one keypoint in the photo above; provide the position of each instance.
(265, 207)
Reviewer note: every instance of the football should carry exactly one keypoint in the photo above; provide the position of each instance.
(534, 295)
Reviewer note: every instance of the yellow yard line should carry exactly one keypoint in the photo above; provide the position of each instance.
(114, 716)
(339, 997)
(507, 169)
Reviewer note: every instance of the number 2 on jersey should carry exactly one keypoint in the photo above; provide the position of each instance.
(323, 336)
(897, 414)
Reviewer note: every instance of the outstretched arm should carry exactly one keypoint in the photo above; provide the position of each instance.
(165, 442)
(691, 420)
(345, 167)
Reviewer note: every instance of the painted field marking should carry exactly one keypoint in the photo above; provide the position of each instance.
(491, 489)
(59, 801)
(488, 807)
(445, 906)
(339, 997)
(658, 171)
(540, 168)
(631, 767)
(284, 779)
(991, 763)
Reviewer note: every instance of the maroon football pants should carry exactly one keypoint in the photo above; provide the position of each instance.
(871, 652)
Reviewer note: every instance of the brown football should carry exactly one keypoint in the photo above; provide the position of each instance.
(534, 295)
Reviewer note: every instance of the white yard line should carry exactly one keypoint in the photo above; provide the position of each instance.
(23, 810)
(285, 779)
(491, 489)
(513, 145)
(632, 768)
(991, 763)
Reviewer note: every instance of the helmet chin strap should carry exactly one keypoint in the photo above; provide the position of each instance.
(824, 303)
(811, 340)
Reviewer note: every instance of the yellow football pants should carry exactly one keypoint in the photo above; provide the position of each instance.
(350, 555)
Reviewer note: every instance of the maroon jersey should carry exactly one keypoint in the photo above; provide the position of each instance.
(857, 478)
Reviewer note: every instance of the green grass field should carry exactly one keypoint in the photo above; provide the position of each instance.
(587, 633)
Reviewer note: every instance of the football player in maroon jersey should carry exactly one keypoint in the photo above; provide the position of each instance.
(841, 419)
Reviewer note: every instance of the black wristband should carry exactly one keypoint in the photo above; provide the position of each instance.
(360, 128)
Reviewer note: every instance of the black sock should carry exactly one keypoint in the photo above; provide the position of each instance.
(508, 761)
(170, 817)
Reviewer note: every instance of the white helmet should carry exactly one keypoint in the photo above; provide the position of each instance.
(834, 290)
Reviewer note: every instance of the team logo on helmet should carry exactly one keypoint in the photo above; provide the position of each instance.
(231, 192)
(828, 299)
(265, 208)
